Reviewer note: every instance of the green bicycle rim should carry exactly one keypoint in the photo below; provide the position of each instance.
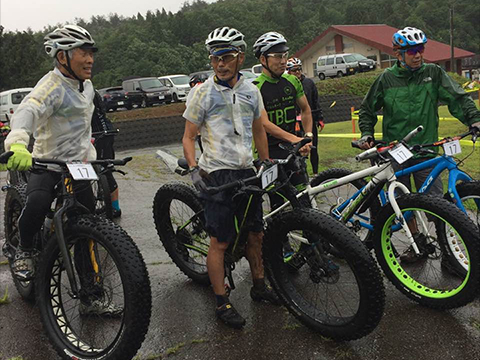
(403, 276)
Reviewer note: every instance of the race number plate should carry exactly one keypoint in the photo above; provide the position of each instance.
(269, 176)
(452, 147)
(400, 153)
(81, 171)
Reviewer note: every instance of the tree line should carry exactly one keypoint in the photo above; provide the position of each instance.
(161, 43)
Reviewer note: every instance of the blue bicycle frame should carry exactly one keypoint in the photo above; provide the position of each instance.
(439, 164)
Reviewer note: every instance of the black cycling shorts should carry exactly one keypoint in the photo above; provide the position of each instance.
(222, 213)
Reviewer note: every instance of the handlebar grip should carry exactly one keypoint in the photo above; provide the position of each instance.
(366, 154)
(413, 133)
(5, 156)
(301, 144)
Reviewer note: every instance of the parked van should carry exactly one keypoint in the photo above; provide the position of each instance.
(178, 85)
(9, 101)
(336, 65)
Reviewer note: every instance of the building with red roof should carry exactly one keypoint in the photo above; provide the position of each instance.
(373, 41)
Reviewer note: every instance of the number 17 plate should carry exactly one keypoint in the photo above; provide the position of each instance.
(269, 176)
(81, 171)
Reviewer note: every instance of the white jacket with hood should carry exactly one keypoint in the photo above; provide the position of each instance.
(59, 117)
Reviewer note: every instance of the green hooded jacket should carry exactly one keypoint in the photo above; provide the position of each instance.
(409, 99)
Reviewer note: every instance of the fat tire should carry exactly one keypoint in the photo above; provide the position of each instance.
(462, 225)
(337, 173)
(184, 193)
(14, 203)
(135, 283)
(366, 272)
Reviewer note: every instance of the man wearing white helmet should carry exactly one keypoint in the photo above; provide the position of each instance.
(229, 114)
(409, 93)
(58, 114)
(281, 94)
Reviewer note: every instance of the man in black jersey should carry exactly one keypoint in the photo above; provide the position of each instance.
(281, 92)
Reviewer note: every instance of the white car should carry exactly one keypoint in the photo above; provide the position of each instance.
(178, 86)
(9, 101)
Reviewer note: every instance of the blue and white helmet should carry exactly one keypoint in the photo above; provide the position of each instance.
(408, 37)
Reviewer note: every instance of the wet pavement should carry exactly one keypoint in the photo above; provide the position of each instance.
(183, 324)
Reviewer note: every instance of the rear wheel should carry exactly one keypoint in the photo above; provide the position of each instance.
(339, 74)
(14, 203)
(321, 76)
(178, 216)
(342, 298)
(425, 279)
(110, 317)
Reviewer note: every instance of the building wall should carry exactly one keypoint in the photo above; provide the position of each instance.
(349, 46)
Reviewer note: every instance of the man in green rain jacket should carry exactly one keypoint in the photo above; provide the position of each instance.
(409, 93)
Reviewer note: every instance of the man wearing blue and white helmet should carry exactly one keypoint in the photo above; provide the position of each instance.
(409, 93)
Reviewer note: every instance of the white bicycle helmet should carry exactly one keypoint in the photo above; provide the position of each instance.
(67, 38)
(408, 37)
(227, 38)
(293, 62)
(267, 41)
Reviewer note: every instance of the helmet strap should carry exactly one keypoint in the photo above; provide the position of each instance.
(272, 74)
(404, 64)
(68, 67)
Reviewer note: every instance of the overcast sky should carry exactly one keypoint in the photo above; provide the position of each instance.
(36, 14)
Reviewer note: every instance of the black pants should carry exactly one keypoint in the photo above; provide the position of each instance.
(105, 150)
(40, 194)
(314, 152)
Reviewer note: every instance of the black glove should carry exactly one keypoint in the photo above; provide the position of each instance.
(266, 164)
(198, 180)
(367, 139)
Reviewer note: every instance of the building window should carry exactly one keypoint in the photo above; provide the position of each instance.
(347, 45)
(315, 72)
(330, 47)
(373, 57)
(387, 60)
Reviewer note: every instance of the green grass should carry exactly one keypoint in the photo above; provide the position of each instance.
(337, 152)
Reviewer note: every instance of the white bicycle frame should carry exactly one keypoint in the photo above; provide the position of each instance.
(381, 173)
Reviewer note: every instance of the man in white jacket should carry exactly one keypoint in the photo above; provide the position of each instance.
(58, 114)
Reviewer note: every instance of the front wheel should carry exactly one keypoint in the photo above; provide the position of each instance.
(110, 316)
(339, 74)
(424, 278)
(342, 298)
(321, 76)
(178, 216)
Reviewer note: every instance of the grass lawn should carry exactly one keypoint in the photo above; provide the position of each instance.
(337, 152)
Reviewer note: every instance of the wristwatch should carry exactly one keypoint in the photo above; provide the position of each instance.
(309, 135)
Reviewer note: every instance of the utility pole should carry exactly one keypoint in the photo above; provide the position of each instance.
(452, 54)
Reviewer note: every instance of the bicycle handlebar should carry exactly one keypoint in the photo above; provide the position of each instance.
(238, 183)
(4, 157)
(375, 151)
